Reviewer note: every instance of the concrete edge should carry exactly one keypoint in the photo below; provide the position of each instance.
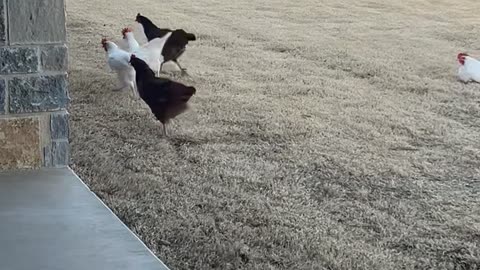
(110, 210)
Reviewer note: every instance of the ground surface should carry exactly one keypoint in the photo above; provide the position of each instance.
(51, 218)
(324, 134)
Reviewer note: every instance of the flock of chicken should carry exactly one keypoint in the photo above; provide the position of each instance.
(138, 67)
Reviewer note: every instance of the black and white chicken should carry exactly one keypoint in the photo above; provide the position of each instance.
(174, 46)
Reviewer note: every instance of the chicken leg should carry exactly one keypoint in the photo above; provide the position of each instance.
(133, 87)
(175, 59)
(183, 70)
(160, 69)
(164, 130)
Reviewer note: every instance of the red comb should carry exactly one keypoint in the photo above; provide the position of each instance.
(104, 43)
(126, 30)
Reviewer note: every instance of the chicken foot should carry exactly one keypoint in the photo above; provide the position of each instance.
(183, 70)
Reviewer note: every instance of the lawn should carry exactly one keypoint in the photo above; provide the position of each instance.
(323, 135)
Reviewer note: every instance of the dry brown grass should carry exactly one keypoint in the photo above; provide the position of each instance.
(324, 134)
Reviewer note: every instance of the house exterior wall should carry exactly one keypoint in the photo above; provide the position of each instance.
(33, 84)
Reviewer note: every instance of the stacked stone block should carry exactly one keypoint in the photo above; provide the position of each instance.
(33, 84)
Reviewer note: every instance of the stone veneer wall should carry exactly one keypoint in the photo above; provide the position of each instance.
(33, 84)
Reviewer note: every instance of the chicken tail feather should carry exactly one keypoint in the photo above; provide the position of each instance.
(191, 37)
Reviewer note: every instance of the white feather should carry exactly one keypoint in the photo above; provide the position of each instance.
(151, 52)
(470, 71)
(118, 61)
(131, 41)
(463, 75)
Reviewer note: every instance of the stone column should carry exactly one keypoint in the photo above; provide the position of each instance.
(33, 84)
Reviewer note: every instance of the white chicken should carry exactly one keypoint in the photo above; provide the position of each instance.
(150, 52)
(132, 43)
(118, 61)
(469, 69)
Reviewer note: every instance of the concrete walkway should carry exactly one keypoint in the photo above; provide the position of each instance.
(50, 220)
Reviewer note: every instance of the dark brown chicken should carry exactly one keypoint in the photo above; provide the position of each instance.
(174, 46)
(166, 98)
